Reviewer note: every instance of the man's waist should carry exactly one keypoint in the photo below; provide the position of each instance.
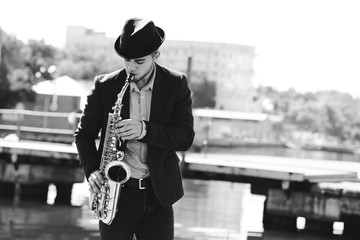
(141, 183)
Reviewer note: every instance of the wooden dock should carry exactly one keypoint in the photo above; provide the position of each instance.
(34, 148)
(321, 191)
(277, 168)
(294, 187)
(35, 165)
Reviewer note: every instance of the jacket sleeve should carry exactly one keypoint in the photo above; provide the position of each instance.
(87, 131)
(176, 133)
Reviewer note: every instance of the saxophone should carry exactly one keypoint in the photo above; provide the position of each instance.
(115, 172)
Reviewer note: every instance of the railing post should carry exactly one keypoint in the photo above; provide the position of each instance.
(19, 117)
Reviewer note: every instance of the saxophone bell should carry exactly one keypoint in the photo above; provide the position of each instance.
(117, 172)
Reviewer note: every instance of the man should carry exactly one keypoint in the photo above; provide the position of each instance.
(156, 122)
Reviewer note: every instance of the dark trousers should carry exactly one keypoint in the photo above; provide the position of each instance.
(139, 213)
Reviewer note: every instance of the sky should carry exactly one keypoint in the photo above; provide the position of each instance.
(309, 45)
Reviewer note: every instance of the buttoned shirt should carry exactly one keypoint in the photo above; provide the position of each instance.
(140, 105)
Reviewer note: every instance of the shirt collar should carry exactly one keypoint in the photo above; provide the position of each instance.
(148, 86)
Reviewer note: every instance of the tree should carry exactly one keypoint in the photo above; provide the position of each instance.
(330, 113)
(21, 66)
(85, 62)
(38, 58)
(10, 59)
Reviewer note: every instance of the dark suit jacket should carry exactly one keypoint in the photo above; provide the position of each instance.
(169, 129)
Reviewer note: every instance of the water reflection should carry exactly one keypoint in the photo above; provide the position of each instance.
(213, 210)
(38, 221)
(210, 210)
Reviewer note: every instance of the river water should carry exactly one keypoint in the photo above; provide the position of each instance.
(210, 210)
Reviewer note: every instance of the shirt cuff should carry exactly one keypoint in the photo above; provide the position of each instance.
(143, 131)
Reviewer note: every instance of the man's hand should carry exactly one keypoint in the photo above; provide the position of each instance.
(128, 129)
(95, 181)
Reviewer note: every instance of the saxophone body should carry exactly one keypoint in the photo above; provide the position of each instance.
(114, 171)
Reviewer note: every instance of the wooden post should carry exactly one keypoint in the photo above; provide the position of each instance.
(17, 186)
(189, 65)
(63, 193)
(19, 121)
(17, 193)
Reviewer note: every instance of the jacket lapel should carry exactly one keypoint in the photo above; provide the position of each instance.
(159, 95)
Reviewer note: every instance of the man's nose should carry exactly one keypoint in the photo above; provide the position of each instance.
(131, 66)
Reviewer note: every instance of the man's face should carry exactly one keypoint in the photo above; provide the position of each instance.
(140, 67)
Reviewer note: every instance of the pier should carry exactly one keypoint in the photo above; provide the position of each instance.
(321, 191)
(27, 168)
(36, 150)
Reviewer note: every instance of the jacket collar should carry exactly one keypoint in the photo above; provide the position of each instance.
(159, 94)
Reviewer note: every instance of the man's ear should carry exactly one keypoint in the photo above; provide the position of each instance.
(157, 55)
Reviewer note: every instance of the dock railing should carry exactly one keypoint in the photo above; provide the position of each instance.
(38, 125)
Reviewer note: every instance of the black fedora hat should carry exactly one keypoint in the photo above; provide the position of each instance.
(140, 37)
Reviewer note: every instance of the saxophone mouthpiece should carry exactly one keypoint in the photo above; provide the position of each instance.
(130, 77)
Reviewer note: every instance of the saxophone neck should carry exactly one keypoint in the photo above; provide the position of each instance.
(120, 96)
(128, 80)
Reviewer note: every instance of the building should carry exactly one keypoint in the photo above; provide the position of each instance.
(230, 66)
(62, 94)
(79, 35)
